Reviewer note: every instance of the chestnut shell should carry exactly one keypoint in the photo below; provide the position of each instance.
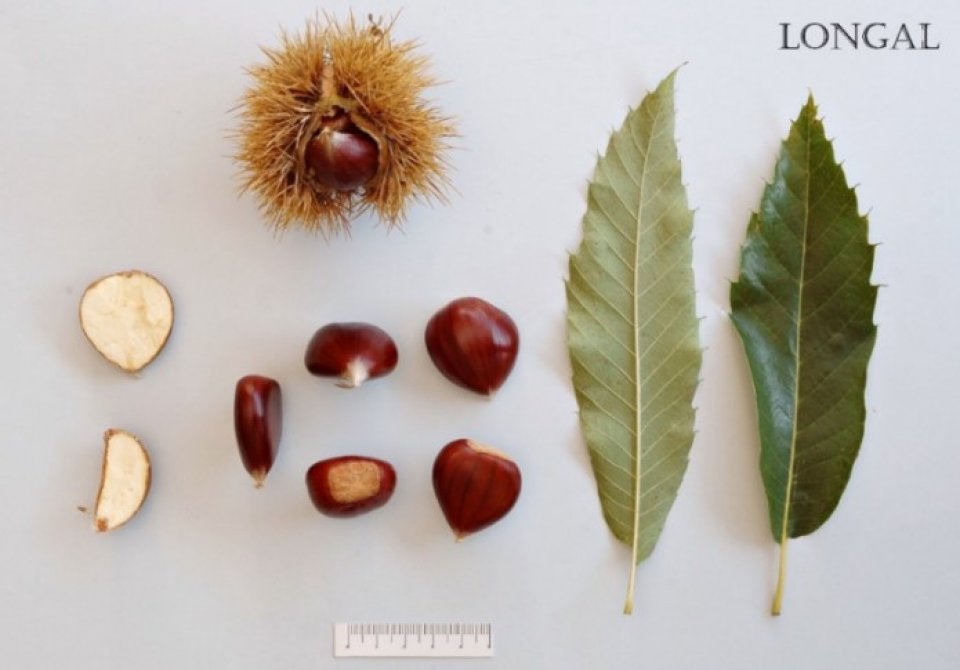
(473, 343)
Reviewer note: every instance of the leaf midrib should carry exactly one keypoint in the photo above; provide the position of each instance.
(798, 321)
(636, 354)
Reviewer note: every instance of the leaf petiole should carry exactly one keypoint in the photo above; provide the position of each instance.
(781, 579)
(628, 605)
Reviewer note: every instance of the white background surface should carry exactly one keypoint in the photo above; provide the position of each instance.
(114, 154)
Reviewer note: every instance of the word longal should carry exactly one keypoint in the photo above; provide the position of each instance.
(875, 36)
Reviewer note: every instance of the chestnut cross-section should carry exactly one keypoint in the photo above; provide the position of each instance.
(127, 317)
(124, 480)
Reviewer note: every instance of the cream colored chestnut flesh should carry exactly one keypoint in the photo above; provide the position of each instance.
(127, 317)
(124, 480)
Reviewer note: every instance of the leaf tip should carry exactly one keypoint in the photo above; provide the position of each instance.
(809, 110)
(667, 83)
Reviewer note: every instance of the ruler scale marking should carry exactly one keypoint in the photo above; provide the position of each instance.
(423, 640)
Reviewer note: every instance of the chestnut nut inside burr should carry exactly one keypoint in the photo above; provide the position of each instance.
(336, 122)
(340, 156)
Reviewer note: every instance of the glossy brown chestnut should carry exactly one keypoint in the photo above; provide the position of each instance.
(475, 485)
(473, 344)
(353, 352)
(257, 419)
(350, 485)
(341, 156)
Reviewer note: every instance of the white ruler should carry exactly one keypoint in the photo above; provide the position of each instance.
(393, 640)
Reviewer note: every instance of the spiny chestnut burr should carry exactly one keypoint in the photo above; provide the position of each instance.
(335, 123)
(350, 485)
(473, 344)
(352, 352)
(258, 421)
(475, 485)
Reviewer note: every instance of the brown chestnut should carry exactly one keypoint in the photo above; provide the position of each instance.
(473, 344)
(352, 352)
(257, 419)
(342, 157)
(350, 485)
(475, 485)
